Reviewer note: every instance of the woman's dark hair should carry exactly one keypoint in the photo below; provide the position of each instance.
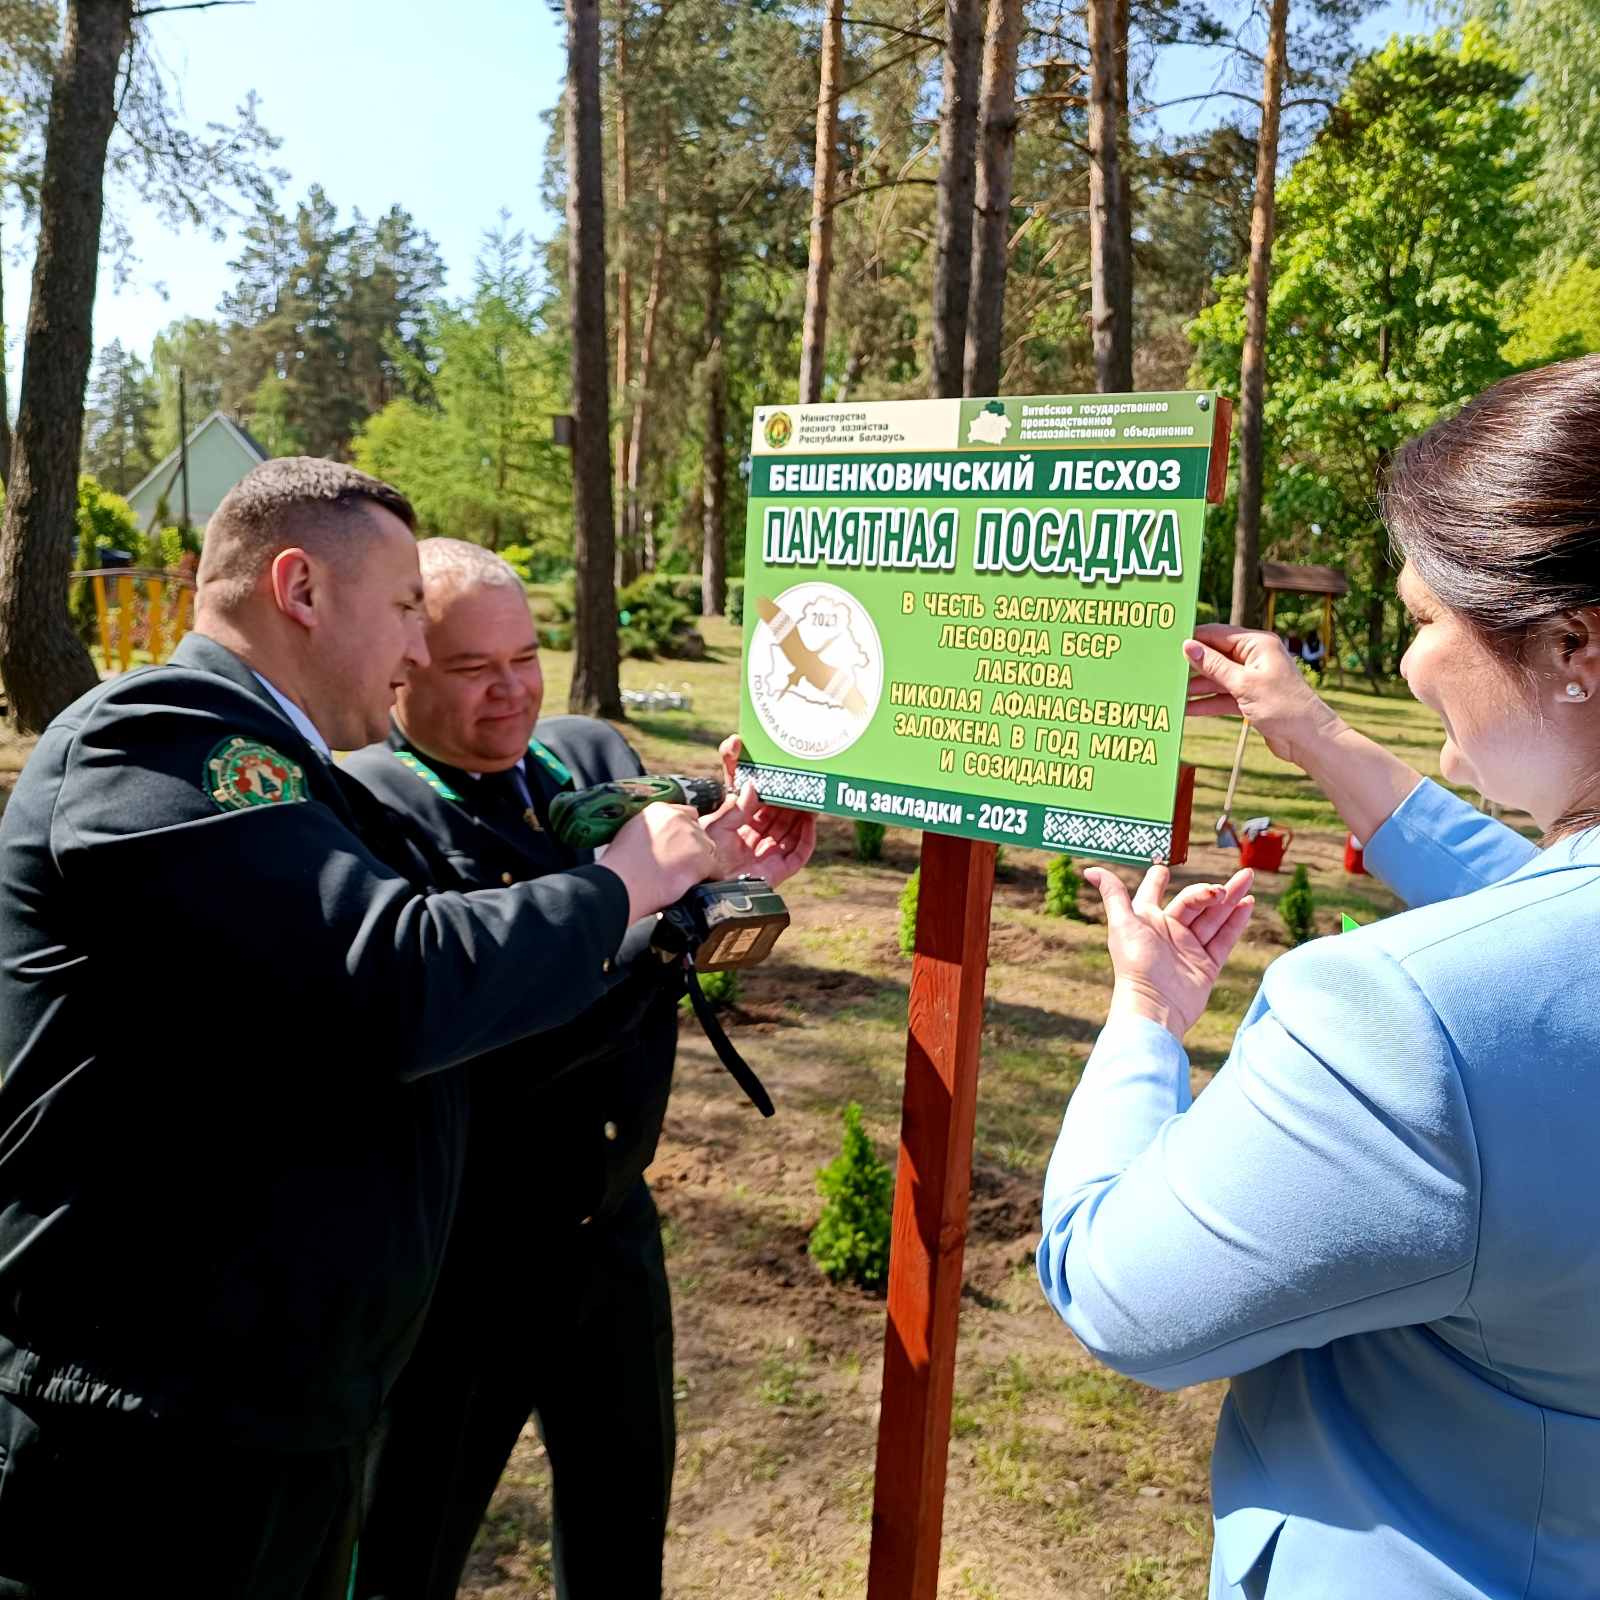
(1498, 508)
(1498, 511)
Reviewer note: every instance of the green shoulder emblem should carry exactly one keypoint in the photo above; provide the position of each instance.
(241, 773)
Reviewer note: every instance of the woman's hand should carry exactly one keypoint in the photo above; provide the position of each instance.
(771, 842)
(1167, 959)
(1241, 672)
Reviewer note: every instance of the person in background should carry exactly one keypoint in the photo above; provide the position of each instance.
(1312, 655)
(1379, 1220)
(554, 1298)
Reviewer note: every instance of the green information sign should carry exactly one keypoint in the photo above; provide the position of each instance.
(965, 615)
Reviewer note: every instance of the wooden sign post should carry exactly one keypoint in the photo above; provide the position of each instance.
(928, 1242)
(964, 615)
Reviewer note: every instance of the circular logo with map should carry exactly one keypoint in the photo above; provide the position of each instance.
(816, 669)
(779, 430)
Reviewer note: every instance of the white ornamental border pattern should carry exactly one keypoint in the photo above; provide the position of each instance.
(1123, 836)
(780, 783)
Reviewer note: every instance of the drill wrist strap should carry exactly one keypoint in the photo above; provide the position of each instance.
(738, 1068)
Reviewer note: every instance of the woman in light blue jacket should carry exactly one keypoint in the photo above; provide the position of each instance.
(1381, 1220)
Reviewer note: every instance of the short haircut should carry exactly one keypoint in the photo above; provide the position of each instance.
(292, 502)
(452, 566)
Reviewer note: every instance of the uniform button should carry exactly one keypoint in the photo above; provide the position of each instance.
(611, 1130)
(585, 1221)
(605, 966)
(507, 879)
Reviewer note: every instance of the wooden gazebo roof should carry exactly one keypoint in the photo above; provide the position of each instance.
(1281, 577)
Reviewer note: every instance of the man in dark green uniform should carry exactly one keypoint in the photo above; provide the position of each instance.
(554, 1294)
(228, 1156)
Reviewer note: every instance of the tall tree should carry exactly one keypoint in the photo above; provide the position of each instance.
(1246, 607)
(1557, 42)
(627, 550)
(194, 347)
(324, 322)
(1110, 226)
(595, 688)
(42, 661)
(640, 533)
(958, 135)
(1399, 230)
(991, 221)
(28, 30)
(825, 175)
(476, 458)
(119, 421)
(714, 469)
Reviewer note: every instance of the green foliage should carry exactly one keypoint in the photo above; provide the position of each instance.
(869, 841)
(1061, 889)
(851, 1238)
(734, 604)
(908, 913)
(119, 419)
(720, 987)
(1398, 231)
(326, 325)
(1558, 43)
(1555, 316)
(104, 521)
(657, 622)
(1297, 906)
(469, 437)
(652, 621)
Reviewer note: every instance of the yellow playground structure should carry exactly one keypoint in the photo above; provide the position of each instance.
(147, 609)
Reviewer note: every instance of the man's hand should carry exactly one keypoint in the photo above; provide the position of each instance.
(772, 842)
(1167, 959)
(660, 855)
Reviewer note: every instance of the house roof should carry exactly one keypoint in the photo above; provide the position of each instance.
(165, 471)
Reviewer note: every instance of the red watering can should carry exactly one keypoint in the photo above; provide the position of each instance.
(1264, 851)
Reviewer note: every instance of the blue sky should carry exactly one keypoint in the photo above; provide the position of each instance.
(438, 108)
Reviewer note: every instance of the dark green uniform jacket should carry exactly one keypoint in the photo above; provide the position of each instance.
(225, 1172)
(579, 1144)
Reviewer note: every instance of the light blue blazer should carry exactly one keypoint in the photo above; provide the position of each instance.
(1382, 1222)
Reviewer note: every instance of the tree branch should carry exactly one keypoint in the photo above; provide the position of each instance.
(195, 5)
(888, 183)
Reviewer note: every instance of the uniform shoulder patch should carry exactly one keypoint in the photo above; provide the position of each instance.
(241, 773)
(551, 762)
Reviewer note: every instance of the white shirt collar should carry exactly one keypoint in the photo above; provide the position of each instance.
(303, 725)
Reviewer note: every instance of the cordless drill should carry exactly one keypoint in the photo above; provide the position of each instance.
(731, 923)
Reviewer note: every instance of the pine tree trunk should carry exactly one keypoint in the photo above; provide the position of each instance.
(991, 222)
(1110, 249)
(1246, 609)
(958, 136)
(627, 551)
(42, 661)
(5, 397)
(639, 527)
(595, 688)
(819, 265)
(1122, 289)
(714, 461)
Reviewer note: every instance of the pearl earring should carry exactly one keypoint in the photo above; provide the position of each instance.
(1576, 691)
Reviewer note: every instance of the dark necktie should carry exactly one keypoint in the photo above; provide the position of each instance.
(507, 794)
